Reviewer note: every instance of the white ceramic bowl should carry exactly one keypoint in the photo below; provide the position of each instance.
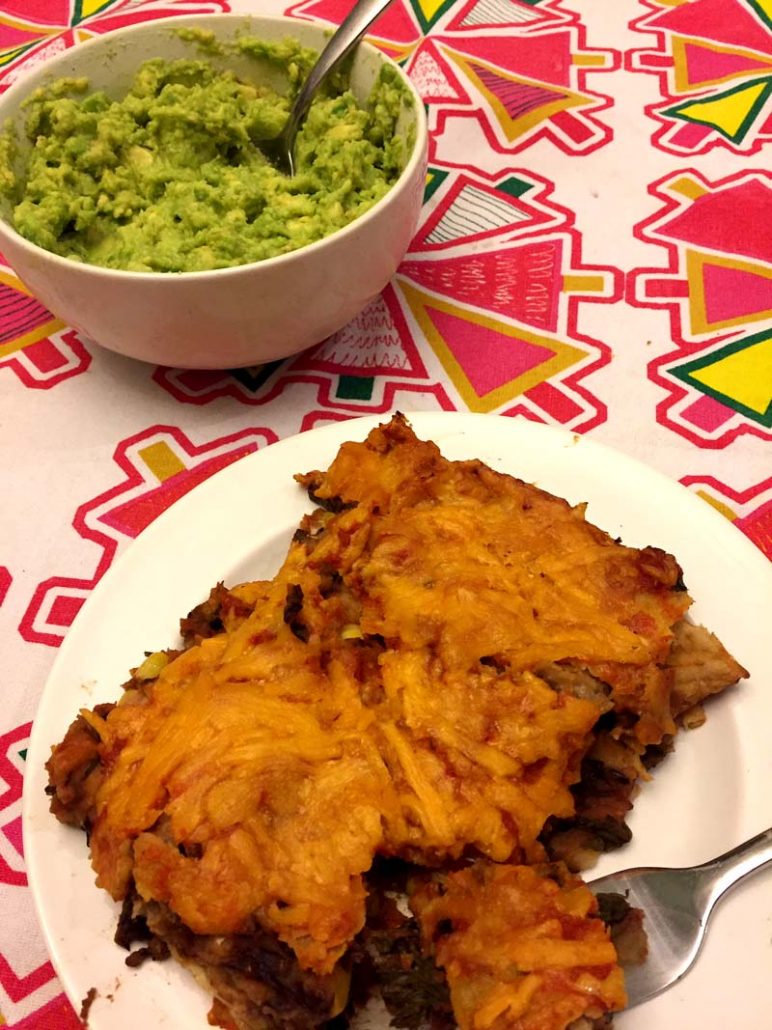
(229, 317)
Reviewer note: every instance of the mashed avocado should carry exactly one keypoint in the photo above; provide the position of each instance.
(169, 179)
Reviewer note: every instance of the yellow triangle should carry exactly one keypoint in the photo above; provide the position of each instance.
(422, 304)
(6, 56)
(766, 7)
(728, 112)
(89, 7)
(745, 376)
(429, 8)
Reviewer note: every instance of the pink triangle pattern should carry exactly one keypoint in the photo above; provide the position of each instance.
(395, 24)
(722, 21)
(697, 219)
(521, 282)
(19, 313)
(753, 506)
(540, 57)
(12, 832)
(430, 79)
(371, 344)
(489, 358)
(758, 526)
(706, 65)
(428, 66)
(43, 11)
(14, 36)
(517, 98)
(735, 293)
(733, 220)
(702, 47)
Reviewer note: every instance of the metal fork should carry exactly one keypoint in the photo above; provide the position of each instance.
(677, 904)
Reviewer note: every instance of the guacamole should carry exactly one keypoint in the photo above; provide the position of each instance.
(169, 178)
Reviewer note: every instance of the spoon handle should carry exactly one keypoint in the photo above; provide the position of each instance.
(352, 28)
(724, 872)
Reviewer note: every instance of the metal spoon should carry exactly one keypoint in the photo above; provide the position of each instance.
(280, 150)
(677, 904)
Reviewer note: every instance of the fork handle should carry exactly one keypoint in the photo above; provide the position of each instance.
(721, 873)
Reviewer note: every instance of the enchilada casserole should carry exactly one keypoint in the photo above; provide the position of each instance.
(454, 675)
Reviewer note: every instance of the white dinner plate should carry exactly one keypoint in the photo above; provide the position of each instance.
(714, 792)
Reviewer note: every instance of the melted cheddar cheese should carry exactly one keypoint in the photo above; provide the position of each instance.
(522, 947)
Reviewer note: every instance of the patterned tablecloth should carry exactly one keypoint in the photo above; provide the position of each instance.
(595, 252)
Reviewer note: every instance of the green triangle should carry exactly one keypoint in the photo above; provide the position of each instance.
(8, 56)
(355, 388)
(737, 375)
(255, 376)
(513, 186)
(732, 118)
(429, 12)
(434, 179)
(80, 15)
(23, 754)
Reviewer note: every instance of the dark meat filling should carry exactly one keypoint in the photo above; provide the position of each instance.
(208, 618)
(75, 772)
(388, 955)
(626, 928)
(293, 609)
(255, 978)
